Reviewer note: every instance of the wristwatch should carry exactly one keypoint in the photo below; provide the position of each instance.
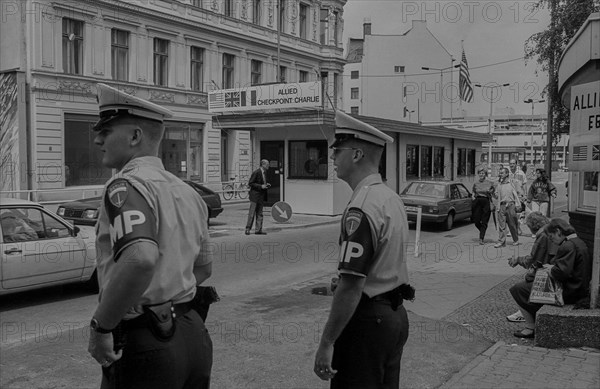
(94, 325)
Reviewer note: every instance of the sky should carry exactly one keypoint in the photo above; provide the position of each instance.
(493, 32)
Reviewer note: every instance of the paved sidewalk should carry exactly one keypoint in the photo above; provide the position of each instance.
(516, 366)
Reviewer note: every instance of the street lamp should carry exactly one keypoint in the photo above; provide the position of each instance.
(408, 111)
(492, 88)
(532, 101)
(441, 70)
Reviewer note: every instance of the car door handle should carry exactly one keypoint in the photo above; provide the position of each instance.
(13, 251)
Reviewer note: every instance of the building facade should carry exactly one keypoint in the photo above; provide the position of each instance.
(170, 52)
(384, 76)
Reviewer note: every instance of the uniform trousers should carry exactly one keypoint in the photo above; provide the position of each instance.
(182, 362)
(256, 210)
(481, 214)
(368, 352)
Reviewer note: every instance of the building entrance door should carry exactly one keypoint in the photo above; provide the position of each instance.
(272, 151)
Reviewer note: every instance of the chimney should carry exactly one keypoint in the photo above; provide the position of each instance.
(366, 27)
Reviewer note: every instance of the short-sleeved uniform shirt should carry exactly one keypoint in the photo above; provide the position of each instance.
(144, 202)
(373, 237)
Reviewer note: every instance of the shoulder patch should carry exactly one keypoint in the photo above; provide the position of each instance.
(117, 193)
(352, 220)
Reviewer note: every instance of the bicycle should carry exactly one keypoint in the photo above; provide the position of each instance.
(235, 189)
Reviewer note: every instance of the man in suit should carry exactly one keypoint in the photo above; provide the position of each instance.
(258, 194)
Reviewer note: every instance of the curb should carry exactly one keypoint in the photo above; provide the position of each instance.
(471, 365)
(275, 228)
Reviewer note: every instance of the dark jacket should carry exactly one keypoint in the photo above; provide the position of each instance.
(542, 251)
(573, 267)
(541, 191)
(257, 194)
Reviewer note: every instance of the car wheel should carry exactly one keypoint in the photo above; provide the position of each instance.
(449, 222)
(91, 285)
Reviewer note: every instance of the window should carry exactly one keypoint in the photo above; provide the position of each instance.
(426, 161)
(72, 45)
(228, 8)
(257, 12)
(282, 18)
(197, 68)
(228, 71)
(255, 72)
(588, 197)
(336, 82)
(120, 54)
(354, 110)
(303, 20)
(438, 161)
(302, 76)
(354, 93)
(308, 159)
(335, 28)
(466, 162)
(28, 224)
(464, 193)
(398, 69)
(354, 74)
(412, 161)
(197, 3)
(83, 159)
(282, 74)
(324, 24)
(161, 62)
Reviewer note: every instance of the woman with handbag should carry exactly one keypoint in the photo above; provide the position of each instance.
(571, 266)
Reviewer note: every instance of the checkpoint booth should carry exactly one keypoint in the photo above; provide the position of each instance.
(291, 128)
(579, 87)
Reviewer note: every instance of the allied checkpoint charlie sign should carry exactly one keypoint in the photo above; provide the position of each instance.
(260, 97)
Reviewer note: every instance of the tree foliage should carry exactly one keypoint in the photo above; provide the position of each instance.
(547, 46)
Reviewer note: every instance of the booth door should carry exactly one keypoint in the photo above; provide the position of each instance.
(273, 152)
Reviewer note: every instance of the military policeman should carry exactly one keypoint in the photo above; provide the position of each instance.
(151, 243)
(361, 345)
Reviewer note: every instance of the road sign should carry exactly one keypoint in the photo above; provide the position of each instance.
(281, 212)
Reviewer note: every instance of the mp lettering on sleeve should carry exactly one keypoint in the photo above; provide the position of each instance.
(131, 218)
(356, 248)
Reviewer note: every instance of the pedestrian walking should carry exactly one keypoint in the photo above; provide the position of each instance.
(362, 342)
(507, 199)
(258, 195)
(151, 242)
(481, 208)
(540, 192)
(519, 179)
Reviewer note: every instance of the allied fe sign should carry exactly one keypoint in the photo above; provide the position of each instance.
(281, 212)
(584, 135)
(260, 97)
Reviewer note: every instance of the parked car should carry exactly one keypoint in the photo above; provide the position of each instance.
(39, 249)
(85, 211)
(441, 202)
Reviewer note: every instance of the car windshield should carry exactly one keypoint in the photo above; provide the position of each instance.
(426, 189)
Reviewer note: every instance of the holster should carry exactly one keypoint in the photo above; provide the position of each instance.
(205, 295)
(160, 320)
(402, 292)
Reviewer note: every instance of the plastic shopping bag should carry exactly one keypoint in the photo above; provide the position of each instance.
(545, 289)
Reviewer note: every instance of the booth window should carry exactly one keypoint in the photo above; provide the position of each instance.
(308, 159)
(438, 161)
(466, 162)
(426, 161)
(589, 194)
(412, 161)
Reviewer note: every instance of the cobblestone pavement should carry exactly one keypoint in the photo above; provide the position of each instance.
(513, 362)
(516, 366)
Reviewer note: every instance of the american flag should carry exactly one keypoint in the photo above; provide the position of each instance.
(464, 81)
(216, 100)
(580, 153)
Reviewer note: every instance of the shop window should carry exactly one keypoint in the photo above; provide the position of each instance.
(72, 46)
(412, 161)
(426, 161)
(438, 161)
(308, 159)
(83, 159)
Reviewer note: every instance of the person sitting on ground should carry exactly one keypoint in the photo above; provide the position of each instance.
(571, 266)
(542, 252)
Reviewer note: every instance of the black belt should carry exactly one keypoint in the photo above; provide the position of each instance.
(364, 299)
(142, 321)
